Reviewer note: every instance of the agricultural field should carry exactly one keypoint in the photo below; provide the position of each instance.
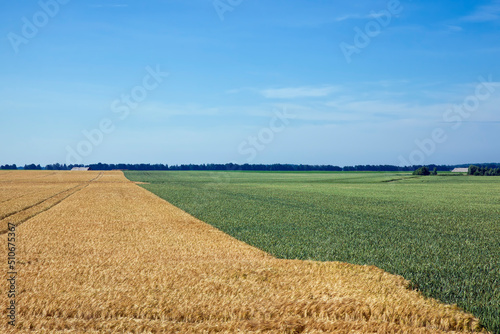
(111, 257)
(441, 233)
(24, 195)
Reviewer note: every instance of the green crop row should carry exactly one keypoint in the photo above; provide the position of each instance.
(442, 233)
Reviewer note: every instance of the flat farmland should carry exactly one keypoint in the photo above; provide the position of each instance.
(25, 194)
(111, 257)
(442, 233)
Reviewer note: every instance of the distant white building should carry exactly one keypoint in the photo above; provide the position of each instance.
(80, 168)
(460, 170)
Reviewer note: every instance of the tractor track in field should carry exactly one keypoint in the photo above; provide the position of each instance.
(26, 213)
(25, 194)
(17, 197)
(21, 196)
(400, 179)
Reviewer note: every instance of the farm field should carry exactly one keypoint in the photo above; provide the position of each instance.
(24, 195)
(113, 257)
(442, 233)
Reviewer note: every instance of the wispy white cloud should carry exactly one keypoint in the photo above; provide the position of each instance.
(346, 17)
(453, 28)
(490, 12)
(353, 17)
(298, 92)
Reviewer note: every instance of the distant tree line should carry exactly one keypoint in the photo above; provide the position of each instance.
(251, 167)
(39, 167)
(33, 167)
(425, 171)
(8, 166)
(27, 167)
(483, 170)
(60, 167)
(266, 167)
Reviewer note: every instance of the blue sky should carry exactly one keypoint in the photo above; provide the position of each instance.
(295, 81)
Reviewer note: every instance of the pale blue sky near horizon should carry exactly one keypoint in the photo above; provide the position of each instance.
(296, 81)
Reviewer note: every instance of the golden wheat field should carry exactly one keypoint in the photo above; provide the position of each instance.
(98, 254)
